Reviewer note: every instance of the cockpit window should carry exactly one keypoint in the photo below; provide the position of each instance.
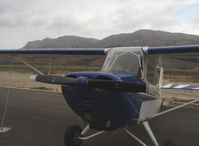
(152, 74)
(152, 70)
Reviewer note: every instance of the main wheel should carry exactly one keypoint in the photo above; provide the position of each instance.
(71, 136)
(169, 142)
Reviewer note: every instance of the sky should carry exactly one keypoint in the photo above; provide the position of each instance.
(27, 20)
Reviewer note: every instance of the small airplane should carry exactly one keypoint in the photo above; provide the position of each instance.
(125, 93)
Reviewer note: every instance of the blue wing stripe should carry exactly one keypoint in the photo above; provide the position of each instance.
(173, 49)
(55, 51)
(172, 86)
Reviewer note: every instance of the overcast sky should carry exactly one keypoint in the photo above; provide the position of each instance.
(25, 20)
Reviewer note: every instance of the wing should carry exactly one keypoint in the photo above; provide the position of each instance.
(56, 56)
(181, 68)
(17, 65)
(180, 65)
(32, 53)
(181, 57)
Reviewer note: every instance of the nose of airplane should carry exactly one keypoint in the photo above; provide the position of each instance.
(81, 81)
(100, 99)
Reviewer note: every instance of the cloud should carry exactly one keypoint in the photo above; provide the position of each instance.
(29, 20)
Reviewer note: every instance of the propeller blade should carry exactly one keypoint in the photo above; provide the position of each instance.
(117, 85)
(52, 79)
(92, 83)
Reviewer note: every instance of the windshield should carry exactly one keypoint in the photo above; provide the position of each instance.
(123, 59)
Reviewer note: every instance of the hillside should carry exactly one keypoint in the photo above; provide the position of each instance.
(138, 38)
(63, 42)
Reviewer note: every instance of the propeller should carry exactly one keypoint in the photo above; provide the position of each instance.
(84, 82)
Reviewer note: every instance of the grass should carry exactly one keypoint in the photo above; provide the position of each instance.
(45, 68)
(184, 71)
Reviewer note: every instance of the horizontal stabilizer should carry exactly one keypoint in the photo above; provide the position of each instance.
(186, 87)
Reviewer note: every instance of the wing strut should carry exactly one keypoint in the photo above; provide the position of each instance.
(30, 66)
(175, 108)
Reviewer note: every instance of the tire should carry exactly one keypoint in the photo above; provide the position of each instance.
(169, 142)
(71, 136)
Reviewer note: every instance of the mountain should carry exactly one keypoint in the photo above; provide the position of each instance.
(63, 42)
(148, 38)
(139, 38)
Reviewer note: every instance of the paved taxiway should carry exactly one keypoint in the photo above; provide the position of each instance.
(40, 119)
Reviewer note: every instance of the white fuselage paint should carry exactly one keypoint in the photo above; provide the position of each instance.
(149, 108)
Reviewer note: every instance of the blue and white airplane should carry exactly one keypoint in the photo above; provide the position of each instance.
(125, 93)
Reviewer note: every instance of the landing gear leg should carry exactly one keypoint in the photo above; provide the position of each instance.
(150, 132)
(151, 135)
(75, 135)
(133, 136)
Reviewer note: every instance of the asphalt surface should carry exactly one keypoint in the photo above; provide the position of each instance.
(40, 119)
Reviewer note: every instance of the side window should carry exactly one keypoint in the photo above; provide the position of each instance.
(152, 74)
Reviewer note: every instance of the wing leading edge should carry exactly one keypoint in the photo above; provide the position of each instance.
(172, 49)
(103, 51)
(99, 51)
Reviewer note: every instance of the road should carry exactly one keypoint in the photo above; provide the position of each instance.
(40, 119)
